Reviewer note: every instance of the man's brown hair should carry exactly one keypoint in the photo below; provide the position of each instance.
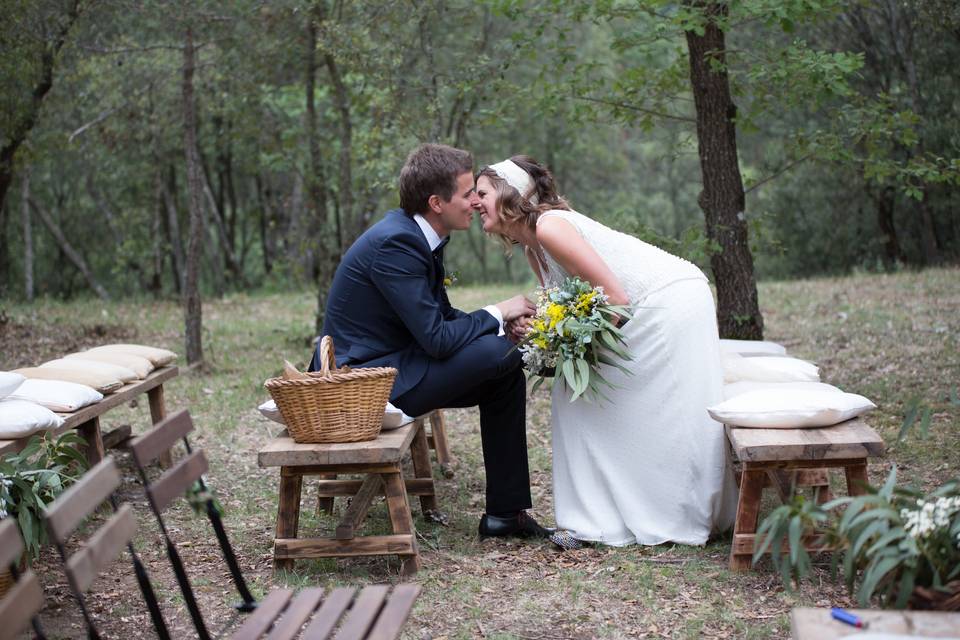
(431, 169)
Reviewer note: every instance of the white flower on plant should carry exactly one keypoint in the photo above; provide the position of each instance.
(929, 516)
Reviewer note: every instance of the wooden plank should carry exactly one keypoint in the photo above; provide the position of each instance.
(388, 447)
(19, 605)
(420, 453)
(321, 470)
(438, 437)
(850, 439)
(103, 547)
(161, 438)
(341, 488)
(93, 449)
(816, 624)
(117, 436)
(327, 617)
(745, 543)
(294, 548)
(364, 611)
(325, 501)
(158, 412)
(263, 616)
(81, 499)
(401, 519)
(11, 543)
(175, 481)
(748, 510)
(857, 480)
(288, 515)
(357, 511)
(834, 463)
(296, 614)
(395, 613)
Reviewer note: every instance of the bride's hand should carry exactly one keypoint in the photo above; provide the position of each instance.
(518, 328)
(516, 307)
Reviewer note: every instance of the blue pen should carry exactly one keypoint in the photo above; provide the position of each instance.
(846, 617)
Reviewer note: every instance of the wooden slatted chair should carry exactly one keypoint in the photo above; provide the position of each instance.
(20, 605)
(374, 612)
(103, 547)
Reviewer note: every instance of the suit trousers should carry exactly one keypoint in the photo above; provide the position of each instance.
(485, 373)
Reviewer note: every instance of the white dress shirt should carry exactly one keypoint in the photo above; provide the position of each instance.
(434, 240)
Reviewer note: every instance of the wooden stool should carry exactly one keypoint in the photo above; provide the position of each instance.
(767, 453)
(437, 438)
(380, 461)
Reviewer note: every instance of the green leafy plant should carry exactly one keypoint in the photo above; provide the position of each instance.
(33, 478)
(888, 542)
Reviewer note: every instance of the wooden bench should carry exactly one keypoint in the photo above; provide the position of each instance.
(769, 457)
(816, 624)
(380, 463)
(87, 420)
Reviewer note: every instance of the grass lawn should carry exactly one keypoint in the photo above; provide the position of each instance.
(893, 338)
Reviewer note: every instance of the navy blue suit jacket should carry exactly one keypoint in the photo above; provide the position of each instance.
(387, 306)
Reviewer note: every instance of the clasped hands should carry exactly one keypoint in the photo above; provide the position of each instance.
(518, 313)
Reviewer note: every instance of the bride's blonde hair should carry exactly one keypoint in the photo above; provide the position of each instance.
(513, 207)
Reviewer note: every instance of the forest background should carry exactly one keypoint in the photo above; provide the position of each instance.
(198, 148)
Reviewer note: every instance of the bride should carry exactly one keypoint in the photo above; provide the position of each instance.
(649, 465)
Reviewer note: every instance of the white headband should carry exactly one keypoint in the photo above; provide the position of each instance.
(517, 178)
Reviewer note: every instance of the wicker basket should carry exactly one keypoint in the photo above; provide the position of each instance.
(6, 578)
(333, 405)
(947, 599)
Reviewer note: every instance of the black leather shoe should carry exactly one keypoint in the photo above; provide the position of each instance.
(521, 526)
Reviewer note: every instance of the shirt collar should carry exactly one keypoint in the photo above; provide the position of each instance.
(433, 238)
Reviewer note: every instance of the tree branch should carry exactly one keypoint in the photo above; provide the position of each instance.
(778, 173)
(630, 107)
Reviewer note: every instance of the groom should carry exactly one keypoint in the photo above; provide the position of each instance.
(387, 307)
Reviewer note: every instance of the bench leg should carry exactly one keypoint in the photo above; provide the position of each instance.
(856, 478)
(438, 434)
(325, 503)
(400, 518)
(158, 411)
(288, 511)
(748, 511)
(90, 431)
(420, 453)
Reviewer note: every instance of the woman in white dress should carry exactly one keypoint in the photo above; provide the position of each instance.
(649, 465)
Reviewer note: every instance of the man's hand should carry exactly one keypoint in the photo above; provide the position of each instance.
(518, 328)
(515, 307)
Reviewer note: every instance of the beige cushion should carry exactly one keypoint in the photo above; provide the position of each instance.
(120, 373)
(739, 388)
(752, 347)
(736, 368)
(101, 382)
(19, 419)
(9, 383)
(57, 395)
(789, 408)
(159, 357)
(140, 366)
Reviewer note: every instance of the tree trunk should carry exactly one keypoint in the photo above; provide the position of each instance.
(27, 237)
(4, 256)
(193, 311)
(884, 202)
(18, 130)
(172, 227)
(267, 225)
(72, 254)
(722, 198)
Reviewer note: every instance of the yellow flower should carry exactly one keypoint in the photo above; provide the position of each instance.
(540, 342)
(584, 301)
(447, 282)
(555, 313)
(539, 325)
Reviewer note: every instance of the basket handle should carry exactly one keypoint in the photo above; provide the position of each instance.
(328, 360)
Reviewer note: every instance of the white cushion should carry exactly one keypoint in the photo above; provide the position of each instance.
(101, 382)
(738, 388)
(139, 365)
(57, 395)
(771, 369)
(393, 418)
(19, 418)
(9, 382)
(789, 409)
(78, 364)
(159, 357)
(752, 347)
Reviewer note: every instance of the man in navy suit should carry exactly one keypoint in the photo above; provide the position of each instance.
(387, 307)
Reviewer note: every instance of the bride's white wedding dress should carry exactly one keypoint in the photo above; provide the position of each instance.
(649, 465)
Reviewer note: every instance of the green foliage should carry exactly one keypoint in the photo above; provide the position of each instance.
(33, 478)
(887, 541)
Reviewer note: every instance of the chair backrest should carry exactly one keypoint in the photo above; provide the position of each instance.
(19, 606)
(176, 481)
(105, 545)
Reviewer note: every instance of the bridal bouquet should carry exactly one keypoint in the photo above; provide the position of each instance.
(574, 333)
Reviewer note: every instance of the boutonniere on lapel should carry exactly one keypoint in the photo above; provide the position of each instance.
(452, 278)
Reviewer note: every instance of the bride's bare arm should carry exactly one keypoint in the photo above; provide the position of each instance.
(562, 241)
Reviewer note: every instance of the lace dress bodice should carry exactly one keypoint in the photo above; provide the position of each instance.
(640, 267)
